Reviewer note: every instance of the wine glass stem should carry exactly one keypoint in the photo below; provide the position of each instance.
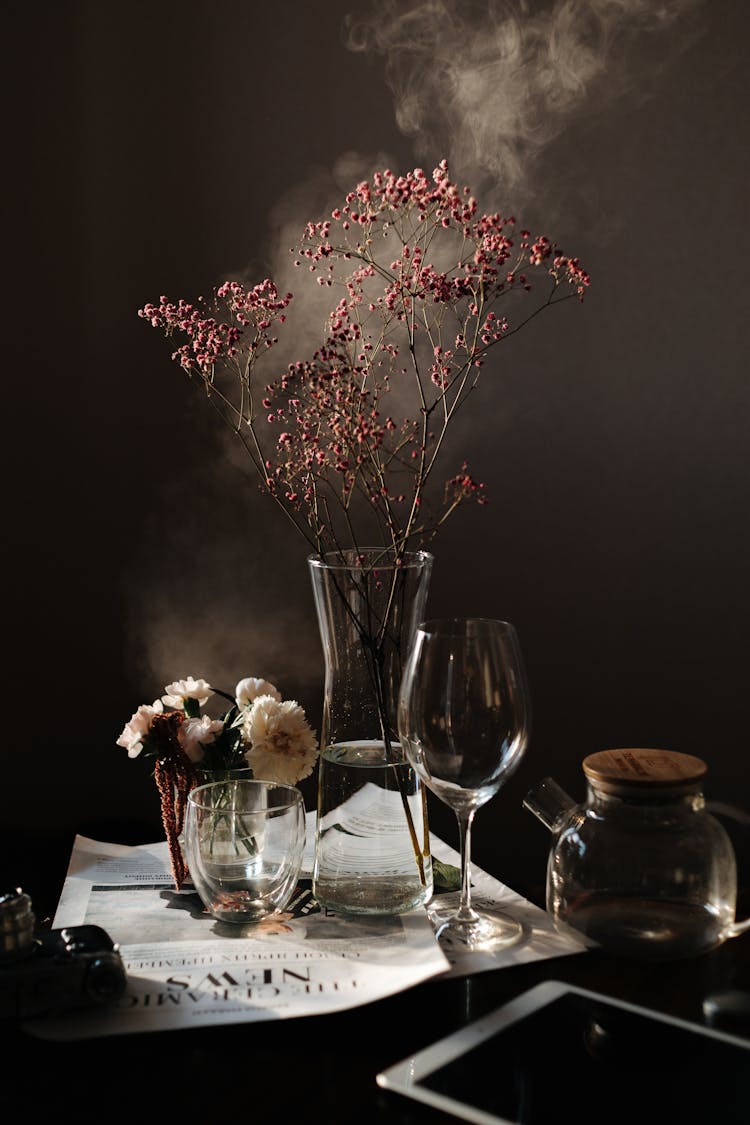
(465, 911)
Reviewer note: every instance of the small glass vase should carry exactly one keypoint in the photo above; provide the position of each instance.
(244, 845)
(207, 777)
(372, 852)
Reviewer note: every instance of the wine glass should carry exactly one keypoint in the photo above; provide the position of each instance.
(463, 721)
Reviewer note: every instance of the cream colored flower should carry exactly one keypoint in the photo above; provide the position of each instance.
(194, 732)
(180, 690)
(248, 690)
(281, 745)
(136, 730)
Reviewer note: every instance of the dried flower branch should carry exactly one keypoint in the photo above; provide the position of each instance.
(347, 439)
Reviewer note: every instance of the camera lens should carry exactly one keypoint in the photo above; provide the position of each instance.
(105, 980)
(16, 925)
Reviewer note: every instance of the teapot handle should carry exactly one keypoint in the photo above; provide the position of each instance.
(741, 817)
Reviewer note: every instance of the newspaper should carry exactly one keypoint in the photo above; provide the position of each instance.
(185, 969)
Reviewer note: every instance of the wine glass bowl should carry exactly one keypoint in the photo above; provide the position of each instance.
(463, 720)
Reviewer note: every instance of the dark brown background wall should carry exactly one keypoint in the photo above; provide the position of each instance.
(158, 148)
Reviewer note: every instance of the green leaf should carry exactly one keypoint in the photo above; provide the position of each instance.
(445, 876)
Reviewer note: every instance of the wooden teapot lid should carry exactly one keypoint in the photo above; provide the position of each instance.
(616, 770)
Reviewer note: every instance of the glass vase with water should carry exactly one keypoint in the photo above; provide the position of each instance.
(372, 853)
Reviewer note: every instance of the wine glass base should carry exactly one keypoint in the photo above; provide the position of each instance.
(490, 931)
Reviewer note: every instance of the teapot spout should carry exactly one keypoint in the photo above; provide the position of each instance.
(549, 803)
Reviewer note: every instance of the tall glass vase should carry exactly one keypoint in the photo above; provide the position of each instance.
(372, 853)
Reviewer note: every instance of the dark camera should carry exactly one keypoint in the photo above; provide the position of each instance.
(53, 970)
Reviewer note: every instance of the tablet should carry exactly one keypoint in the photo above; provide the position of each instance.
(559, 1053)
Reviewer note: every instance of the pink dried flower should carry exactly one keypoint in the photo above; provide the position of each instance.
(349, 437)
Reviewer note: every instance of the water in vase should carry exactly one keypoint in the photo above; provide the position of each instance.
(372, 843)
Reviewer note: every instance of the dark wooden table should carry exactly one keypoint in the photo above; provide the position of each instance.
(317, 1068)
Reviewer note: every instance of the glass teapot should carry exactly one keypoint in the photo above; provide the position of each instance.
(641, 868)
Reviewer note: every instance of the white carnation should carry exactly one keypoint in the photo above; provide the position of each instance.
(194, 732)
(282, 747)
(136, 730)
(248, 690)
(180, 690)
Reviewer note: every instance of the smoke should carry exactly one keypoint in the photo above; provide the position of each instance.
(222, 591)
(242, 603)
(491, 85)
